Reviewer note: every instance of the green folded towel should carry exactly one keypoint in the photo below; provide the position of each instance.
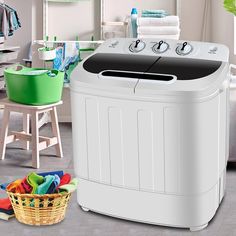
(34, 181)
(69, 188)
(43, 188)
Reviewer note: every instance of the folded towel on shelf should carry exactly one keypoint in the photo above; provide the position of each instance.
(165, 21)
(154, 13)
(4, 216)
(146, 36)
(158, 30)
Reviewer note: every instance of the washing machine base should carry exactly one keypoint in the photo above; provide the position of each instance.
(193, 212)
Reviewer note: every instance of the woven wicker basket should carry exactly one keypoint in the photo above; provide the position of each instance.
(33, 209)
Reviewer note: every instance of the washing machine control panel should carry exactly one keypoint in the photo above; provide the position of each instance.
(166, 48)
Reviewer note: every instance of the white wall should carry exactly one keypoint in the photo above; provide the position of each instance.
(191, 17)
(223, 27)
(118, 12)
(23, 36)
(37, 19)
(68, 20)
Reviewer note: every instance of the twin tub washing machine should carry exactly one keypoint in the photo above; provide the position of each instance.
(151, 130)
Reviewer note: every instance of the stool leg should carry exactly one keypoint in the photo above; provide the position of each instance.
(4, 133)
(26, 129)
(56, 132)
(35, 140)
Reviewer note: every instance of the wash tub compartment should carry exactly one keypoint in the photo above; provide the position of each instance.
(33, 86)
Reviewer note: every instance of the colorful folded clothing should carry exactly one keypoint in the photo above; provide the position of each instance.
(60, 173)
(16, 187)
(43, 188)
(5, 203)
(69, 188)
(34, 181)
(8, 212)
(54, 185)
(42, 183)
(65, 179)
(4, 216)
(4, 186)
(26, 186)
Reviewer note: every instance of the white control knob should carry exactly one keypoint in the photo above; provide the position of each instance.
(160, 47)
(184, 49)
(137, 46)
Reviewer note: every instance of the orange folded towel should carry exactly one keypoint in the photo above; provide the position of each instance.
(16, 187)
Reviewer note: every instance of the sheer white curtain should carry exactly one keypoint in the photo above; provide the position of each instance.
(206, 27)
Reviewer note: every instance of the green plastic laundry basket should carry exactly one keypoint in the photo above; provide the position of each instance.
(33, 86)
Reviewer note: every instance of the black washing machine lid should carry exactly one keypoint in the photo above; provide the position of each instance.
(145, 67)
(185, 68)
(118, 62)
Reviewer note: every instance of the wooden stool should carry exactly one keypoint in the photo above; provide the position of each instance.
(38, 142)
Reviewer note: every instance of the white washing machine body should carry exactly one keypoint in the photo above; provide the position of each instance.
(151, 130)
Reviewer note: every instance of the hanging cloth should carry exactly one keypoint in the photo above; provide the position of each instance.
(9, 21)
(4, 27)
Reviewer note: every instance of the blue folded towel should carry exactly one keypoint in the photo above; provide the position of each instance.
(60, 173)
(43, 188)
(4, 186)
(8, 212)
(54, 185)
(154, 13)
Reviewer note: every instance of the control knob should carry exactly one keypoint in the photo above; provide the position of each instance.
(184, 49)
(137, 46)
(160, 47)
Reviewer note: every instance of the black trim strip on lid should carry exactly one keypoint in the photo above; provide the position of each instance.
(133, 75)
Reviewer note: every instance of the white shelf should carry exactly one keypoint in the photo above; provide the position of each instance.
(13, 48)
(8, 55)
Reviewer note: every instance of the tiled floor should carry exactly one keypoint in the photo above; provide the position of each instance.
(79, 223)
